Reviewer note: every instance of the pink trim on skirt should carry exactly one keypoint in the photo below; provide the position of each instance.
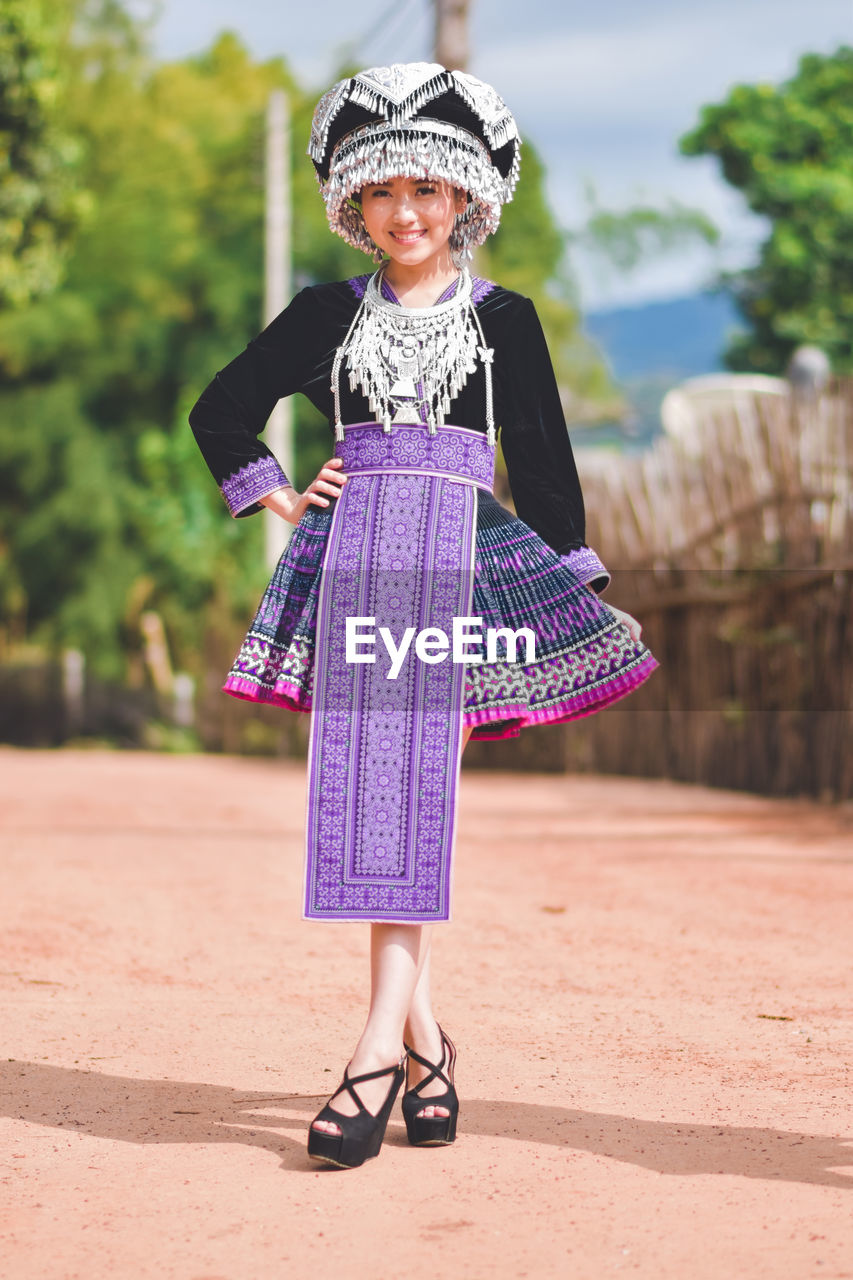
(508, 721)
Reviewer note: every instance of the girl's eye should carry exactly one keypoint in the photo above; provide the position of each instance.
(426, 191)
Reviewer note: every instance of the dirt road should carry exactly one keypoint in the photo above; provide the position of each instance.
(649, 986)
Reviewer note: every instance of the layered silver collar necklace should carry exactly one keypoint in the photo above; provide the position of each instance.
(411, 362)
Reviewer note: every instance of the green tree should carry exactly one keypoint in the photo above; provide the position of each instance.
(162, 286)
(39, 208)
(788, 148)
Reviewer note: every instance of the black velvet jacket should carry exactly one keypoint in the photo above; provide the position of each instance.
(295, 353)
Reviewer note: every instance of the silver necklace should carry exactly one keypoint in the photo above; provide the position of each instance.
(410, 362)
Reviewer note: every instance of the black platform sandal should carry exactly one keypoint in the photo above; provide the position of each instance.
(361, 1135)
(432, 1131)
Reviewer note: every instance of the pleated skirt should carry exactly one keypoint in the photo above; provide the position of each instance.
(584, 660)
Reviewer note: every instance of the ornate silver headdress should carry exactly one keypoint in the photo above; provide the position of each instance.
(412, 120)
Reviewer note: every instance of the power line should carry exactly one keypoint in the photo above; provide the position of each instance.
(389, 18)
(416, 42)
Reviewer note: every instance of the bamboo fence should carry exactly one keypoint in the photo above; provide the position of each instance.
(734, 548)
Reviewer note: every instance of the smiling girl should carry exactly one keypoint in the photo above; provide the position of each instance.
(417, 368)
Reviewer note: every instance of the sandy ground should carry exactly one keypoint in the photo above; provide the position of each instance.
(648, 984)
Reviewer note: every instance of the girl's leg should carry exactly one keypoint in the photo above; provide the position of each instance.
(422, 1035)
(397, 952)
(421, 1030)
(399, 997)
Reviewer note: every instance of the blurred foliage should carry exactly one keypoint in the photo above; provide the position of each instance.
(788, 149)
(627, 238)
(136, 271)
(528, 253)
(106, 507)
(39, 204)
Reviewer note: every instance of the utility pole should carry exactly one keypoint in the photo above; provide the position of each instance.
(451, 33)
(277, 292)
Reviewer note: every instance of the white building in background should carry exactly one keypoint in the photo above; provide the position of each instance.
(693, 401)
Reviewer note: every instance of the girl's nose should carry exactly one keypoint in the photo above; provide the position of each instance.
(403, 210)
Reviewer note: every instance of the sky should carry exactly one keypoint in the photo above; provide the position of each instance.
(604, 90)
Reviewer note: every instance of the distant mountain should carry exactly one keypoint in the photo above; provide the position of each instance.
(676, 339)
(649, 349)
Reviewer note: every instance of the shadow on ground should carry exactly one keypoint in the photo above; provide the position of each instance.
(124, 1109)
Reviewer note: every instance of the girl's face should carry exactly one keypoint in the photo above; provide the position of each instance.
(411, 219)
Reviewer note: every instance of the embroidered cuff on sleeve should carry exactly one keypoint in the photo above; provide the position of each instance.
(585, 564)
(242, 489)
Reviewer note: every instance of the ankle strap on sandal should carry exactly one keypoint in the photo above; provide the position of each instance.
(436, 1071)
(348, 1080)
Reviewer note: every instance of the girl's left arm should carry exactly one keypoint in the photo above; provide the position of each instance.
(541, 467)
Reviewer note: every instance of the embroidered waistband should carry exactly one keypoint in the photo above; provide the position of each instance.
(456, 453)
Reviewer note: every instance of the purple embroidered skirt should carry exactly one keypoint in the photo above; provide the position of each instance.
(585, 659)
(416, 539)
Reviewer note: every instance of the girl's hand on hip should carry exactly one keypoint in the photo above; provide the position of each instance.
(291, 506)
(627, 621)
